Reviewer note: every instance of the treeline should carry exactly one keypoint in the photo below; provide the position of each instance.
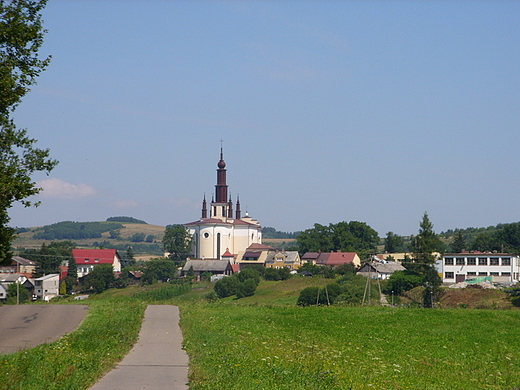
(270, 232)
(69, 230)
(126, 220)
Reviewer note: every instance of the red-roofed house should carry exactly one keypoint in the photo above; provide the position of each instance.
(87, 259)
(332, 258)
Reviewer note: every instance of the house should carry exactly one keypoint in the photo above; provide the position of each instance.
(47, 287)
(87, 259)
(19, 265)
(332, 258)
(458, 267)
(380, 270)
(284, 259)
(215, 267)
(9, 278)
(255, 254)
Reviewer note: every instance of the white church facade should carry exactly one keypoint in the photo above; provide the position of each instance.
(222, 231)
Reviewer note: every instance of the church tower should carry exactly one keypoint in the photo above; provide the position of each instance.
(219, 232)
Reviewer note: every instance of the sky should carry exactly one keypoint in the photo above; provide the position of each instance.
(328, 111)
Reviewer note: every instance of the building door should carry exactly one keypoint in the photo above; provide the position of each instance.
(460, 278)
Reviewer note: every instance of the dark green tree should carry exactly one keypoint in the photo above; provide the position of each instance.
(50, 257)
(177, 242)
(424, 246)
(394, 243)
(101, 278)
(159, 270)
(459, 244)
(21, 35)
(17, 293)
(128, 259)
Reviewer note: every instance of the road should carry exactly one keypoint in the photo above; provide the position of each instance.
(26, 326)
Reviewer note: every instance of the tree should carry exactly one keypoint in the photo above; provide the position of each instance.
(177, 242)
(128, 259)
(17, 293)
(100, 278)
(424, 246)
(21, 35)
(394, 243)
(50, 257)
(161, 269)
(458, 244)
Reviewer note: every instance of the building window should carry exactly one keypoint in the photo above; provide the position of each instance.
(472, 274)
(97, 260)
(493, 273)
(506, 261)
(206, 235)
(448, 275)
(86, 260)
(482, 261)
(506, 273)
(482, 274)
(494, 261)
(448, 261)
(459, 260)
(472, 261)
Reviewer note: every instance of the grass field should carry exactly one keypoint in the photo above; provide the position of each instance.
(267, 342)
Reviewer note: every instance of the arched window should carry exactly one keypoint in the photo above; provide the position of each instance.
(218, 246)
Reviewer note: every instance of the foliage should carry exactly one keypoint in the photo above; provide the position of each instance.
(164, 292)
(242, 284)
(226, 287)
(459, 244)
(160, 269)
(15, 290)
(50, 257)
(21, 36)
(401, 281)
(127, 259)
(177, 242)
(100, 278)
(424, 246)
(69, 230)
(125, 220)
(351, 236)
(138, 237)
(394, 243)
(270, 232)
(277, 273)
(345, 269)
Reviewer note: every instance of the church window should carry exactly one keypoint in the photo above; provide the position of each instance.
(218, 246)
(206, 235)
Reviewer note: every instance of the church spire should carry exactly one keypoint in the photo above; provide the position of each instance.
(204, 208)
(230, 208)
(238, 209)
(221, 187)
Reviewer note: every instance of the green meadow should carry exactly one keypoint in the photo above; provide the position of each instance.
(267, 342)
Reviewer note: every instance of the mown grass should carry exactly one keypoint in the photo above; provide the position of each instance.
(274, 347)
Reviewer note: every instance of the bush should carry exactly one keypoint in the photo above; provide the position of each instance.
(226, 287)
(246, 288)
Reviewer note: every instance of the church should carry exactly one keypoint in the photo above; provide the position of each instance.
(222, 233)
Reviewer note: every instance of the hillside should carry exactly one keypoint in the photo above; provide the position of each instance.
(27, 239)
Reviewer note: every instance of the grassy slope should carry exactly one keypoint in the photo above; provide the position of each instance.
(267, 342)
(25, 240)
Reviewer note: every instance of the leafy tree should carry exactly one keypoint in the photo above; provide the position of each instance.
(114, 234)
(21, 35)
(246, 288)
(177, 242)
(73, 268)
(15, 290)
(394, 243)
(458, 244)
(137, 237)
(485, 242)
(226, 287)
(100, 278)
(125, 220)
(150, 238)
(345, 269)
(50, 257)
(401, 281)
(63, 287)
(161, 269)
(350, 236)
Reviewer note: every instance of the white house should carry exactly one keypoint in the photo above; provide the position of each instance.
(47, 287)
(87, 259)
(7, 279)
(502, 267)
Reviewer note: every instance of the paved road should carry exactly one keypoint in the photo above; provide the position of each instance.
(26, 326)
(157, 361)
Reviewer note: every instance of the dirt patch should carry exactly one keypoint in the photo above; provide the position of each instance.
(475, 297)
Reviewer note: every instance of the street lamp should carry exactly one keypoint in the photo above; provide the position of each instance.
(392, 298)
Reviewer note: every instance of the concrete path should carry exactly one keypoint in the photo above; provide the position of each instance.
(157, 361)
(26, 326)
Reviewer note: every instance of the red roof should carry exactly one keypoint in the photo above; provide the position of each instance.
(261, 247)
(336, 258)
(235, 267)
(227, 253)
(94, 256)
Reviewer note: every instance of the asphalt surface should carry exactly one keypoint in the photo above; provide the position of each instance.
(157, 361)
(26, 326)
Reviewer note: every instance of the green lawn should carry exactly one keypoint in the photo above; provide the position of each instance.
(267, 342)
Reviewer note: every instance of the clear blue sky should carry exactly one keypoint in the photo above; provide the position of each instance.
(374, 111)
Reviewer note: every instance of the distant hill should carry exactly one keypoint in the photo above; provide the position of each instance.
(125, 220)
